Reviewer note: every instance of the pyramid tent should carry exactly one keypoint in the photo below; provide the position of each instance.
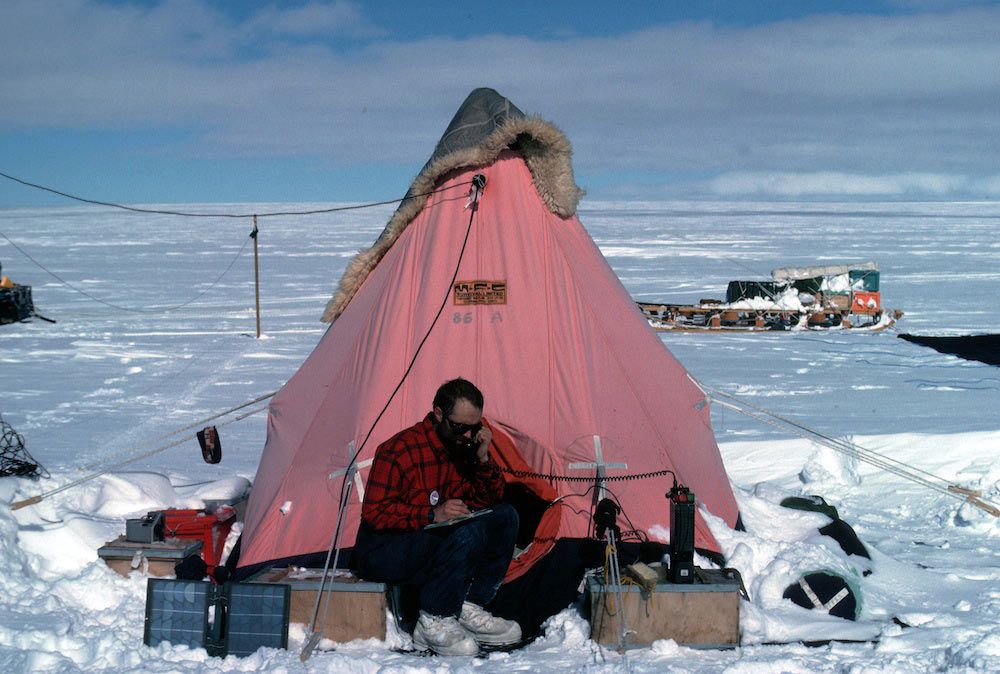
(516, 297)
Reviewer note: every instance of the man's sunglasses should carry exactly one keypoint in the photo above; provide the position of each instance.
(462, 429)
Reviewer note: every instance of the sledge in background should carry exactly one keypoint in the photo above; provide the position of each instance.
(15, 302)
(796, 298)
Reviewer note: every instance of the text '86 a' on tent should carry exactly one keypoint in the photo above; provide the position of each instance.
(536, 318)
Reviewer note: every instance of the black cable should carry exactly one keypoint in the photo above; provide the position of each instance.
(590, 512)
(638, 534)
(553, 477)
(185, 214)
(119, 307)
(476, 191)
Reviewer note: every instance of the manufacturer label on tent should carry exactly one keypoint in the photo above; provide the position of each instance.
(480, 292)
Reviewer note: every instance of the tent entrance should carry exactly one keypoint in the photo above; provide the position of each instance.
(530, 510)
(531, 496)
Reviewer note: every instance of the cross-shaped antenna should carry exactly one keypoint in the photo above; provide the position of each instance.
(599, 466)
(359, 483)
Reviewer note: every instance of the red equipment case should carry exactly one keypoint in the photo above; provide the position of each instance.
(211, 528)
(866, 302)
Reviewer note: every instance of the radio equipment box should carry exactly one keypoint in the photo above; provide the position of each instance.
(148, 529)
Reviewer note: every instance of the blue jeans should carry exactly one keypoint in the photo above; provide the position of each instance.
(465, 562)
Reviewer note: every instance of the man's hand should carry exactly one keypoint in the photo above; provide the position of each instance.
(453, 507)
(485, 437)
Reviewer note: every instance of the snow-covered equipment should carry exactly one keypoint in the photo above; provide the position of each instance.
(14, 457)
(831, 296)
(828, 592)
(498, 283)
(839, 530)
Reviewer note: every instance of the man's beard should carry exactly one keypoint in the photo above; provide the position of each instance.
(461, 450)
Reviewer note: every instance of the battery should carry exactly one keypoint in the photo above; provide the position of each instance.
(682, 505)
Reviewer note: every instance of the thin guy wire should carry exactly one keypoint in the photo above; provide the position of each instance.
(139, 457)
(130, 309)
(186, 214)
(851, 447)
(866, 455)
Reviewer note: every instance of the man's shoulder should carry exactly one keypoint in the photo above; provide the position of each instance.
(413, 438)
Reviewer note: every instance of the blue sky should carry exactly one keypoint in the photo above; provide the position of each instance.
(194, 100)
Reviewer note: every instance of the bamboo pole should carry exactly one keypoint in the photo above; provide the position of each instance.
(256, 274)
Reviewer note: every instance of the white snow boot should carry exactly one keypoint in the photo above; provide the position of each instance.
(488, 629)
(443, 635)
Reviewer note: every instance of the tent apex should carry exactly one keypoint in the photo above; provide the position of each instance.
(485, 125)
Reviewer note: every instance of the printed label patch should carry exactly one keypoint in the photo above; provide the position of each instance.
(480, 292)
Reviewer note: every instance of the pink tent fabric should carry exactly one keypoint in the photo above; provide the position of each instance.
(566, 358)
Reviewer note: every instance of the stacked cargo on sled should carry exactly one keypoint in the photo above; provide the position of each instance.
(795, 298)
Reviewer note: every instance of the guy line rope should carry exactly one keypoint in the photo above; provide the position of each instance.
(888, 464)
(156, 450)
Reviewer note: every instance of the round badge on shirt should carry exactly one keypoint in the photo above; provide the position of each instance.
(435, 497)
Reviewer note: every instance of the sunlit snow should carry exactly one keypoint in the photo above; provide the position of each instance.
(99, 387)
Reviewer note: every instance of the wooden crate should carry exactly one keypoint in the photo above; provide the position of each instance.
(154, 559)
(701, 615)
(841, 301)
(357, 607)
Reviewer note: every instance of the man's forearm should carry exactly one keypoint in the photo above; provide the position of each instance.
(390, 515)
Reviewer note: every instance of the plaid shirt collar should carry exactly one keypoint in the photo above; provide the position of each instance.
(430, 430)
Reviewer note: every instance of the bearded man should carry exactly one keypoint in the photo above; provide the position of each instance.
(434, 472)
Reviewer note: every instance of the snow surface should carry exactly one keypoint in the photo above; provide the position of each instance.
(102, 386)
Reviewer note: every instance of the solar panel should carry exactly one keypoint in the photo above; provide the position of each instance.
(235, 619)
(258, 616)
(177, 611)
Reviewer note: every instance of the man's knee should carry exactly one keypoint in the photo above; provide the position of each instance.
(505, 516)
(472, 538)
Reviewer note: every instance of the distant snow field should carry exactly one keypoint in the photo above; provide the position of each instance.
(99, 388)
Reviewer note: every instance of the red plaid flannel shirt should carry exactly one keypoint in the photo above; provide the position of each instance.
(412, 464)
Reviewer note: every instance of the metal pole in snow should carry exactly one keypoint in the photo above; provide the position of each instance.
(256, 274)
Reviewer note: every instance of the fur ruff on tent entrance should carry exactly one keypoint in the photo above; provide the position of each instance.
(573, 375)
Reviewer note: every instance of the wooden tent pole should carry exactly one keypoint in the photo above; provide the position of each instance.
(256, 274)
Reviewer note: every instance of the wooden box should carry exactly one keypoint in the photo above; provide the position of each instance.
(703, 614)
(357, 608)
(155, 559)
(841, 301)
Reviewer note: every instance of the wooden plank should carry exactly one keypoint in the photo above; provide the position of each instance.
(158, 558)
(696, 615)
(357, 608)
(159, 568)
